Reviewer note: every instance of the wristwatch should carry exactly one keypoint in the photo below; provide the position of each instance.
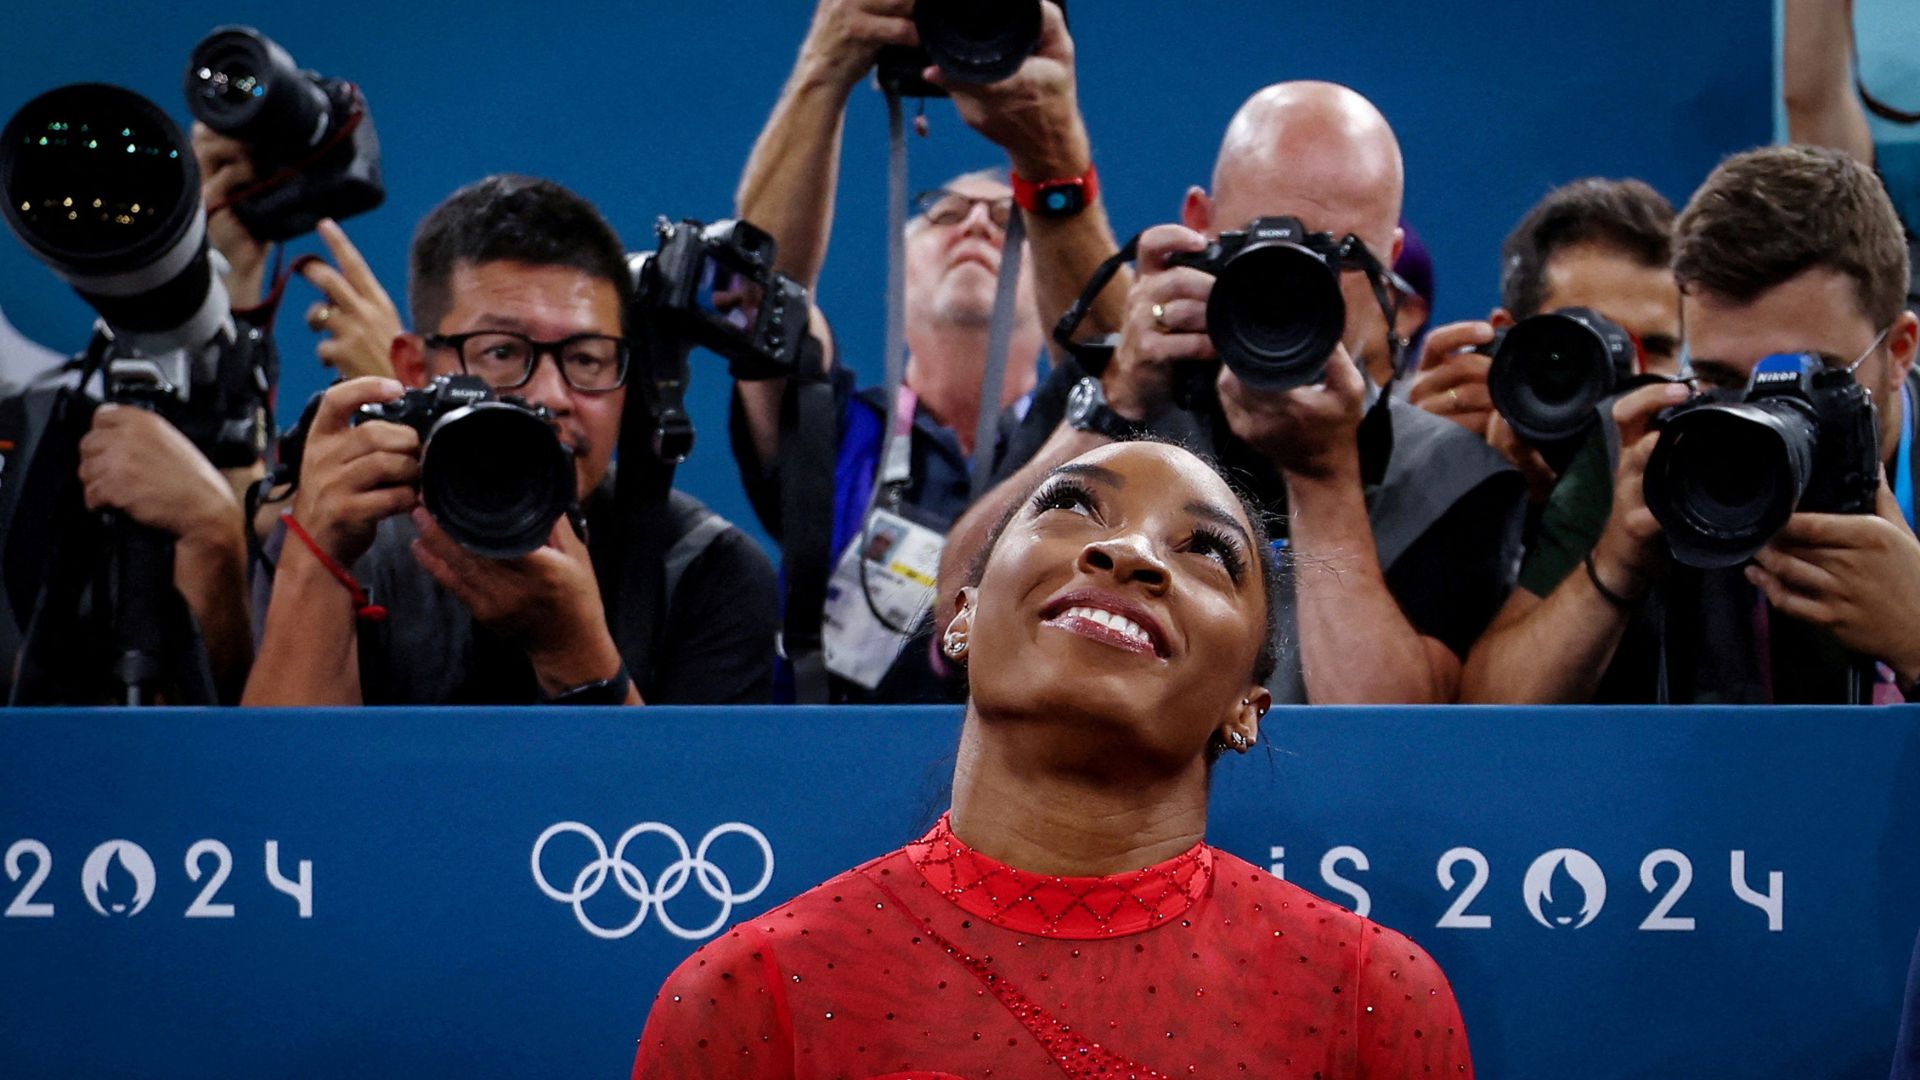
(1060, 198)
(1087, 410)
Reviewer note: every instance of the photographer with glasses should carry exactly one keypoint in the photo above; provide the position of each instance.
(522, 285)
(954, 243)
(1790, 262)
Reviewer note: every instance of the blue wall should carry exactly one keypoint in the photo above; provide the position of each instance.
(650, 108)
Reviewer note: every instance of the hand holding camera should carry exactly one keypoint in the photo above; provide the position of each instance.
(352, 476)
(1034, 113)
(1451, 381)
(134, 461)
(1309, 433)
(1629, 554)
(225, 169)
(847, 35)
(1165, 324)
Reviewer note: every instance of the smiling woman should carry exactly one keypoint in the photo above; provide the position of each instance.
(1067, 917)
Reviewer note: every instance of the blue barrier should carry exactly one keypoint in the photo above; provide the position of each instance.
(1681, 892)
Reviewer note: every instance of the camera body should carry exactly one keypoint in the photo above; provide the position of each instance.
(975, 41)
(1276, 310)
(315, 153)
(493, 472)
(712, 286)
(1550, 371)
(1730, 468)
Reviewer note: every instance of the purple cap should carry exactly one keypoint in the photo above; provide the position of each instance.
(1415, 264)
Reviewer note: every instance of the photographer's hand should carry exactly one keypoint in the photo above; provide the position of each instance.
(1628, 555)
(225, 169)
(1035, 114)
(1165, 323)
(1311, 434)
(847, 35)
(353, 477)
(1452, 378)
(136, 462)
(548, 602)
(1857, 575)
(357, 315)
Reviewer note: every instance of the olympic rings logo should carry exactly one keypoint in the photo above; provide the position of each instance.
(653, 895)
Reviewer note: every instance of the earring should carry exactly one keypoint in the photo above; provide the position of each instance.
(955, 644)
(1238, 740)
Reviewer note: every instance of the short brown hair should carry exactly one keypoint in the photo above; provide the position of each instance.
(1766, 216)
(1625, 215)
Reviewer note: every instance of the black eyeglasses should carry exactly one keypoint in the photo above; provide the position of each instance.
(943, 207)
(590, 363)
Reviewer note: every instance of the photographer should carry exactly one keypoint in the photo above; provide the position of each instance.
(1389, 583)
(421, 619)
(954, 245)
(1603, 245)
(1783, 252)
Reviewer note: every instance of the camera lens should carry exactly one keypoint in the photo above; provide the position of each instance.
(978, 41)
(1551, 370)
(102, 187)
(1725, 477)
(243, 85)
(496, 478)
(1275, 314)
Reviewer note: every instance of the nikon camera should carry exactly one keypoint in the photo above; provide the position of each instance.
(315, 154)
(1729, 469)
(493, 472)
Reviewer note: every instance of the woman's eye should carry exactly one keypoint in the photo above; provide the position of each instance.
(1064, 496)
(1222, 550)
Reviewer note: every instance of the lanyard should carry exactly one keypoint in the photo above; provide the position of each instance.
(896, 454)
(1903, 484)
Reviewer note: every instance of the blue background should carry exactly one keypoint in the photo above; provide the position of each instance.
(431, 952)
(651, 108)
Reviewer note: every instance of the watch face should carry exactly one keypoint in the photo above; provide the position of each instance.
(1062, 199)
(1080, 402)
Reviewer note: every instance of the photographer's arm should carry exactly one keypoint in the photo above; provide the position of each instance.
(351, 478)
(1035, 116)
(1817, 78)
(1555, 649)
(134, 461)
(225, 168)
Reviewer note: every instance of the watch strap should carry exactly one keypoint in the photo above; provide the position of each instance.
(1060, 197)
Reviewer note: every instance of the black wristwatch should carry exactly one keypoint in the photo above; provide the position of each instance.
(608, 691)
(1087, 410)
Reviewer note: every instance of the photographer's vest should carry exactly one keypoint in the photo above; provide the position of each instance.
(1435, 463)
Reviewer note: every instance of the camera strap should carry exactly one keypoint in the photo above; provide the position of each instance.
(807, 450)
(999, 342)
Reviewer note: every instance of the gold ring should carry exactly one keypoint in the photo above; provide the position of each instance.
(1160, 316)
(1453, 396)
(320, 316)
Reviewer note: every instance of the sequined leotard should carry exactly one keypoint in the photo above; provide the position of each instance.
(938, 962)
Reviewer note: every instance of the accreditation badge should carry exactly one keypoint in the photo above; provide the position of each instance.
(883, 586)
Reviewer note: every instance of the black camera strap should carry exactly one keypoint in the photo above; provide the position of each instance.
(807, 453)
(999, 343)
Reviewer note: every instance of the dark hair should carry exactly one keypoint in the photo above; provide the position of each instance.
(1263, 556)
(1625, 215)
(1765, 216)
(507, 218)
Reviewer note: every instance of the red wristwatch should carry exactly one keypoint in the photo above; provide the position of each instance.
(1056, 198)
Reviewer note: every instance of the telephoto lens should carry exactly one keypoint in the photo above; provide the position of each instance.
(1549, 372)
(101, 186)
(493, 472)
(1276, 311)
(243, 85)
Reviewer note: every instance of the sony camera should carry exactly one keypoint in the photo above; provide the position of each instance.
(1730, 468)
(493, 472)
(1551, 370)
(315, 153)
(1276, 311)
(712, 286)
(975, 41)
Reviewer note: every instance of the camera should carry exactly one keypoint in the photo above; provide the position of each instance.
(1276, 311)
(493, 472)
(1730, 468)
(1550, 370)
(314, 150)
(975, 41)
(713, 286)
(101, 186)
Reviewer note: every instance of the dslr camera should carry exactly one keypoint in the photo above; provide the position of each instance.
(1276, 311)
(1551, 370)
(712, 286)
(975, 41)
(314, 150)
(493, 472)
(1730, 468)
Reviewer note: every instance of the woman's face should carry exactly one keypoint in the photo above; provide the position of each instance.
(1125, 597)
